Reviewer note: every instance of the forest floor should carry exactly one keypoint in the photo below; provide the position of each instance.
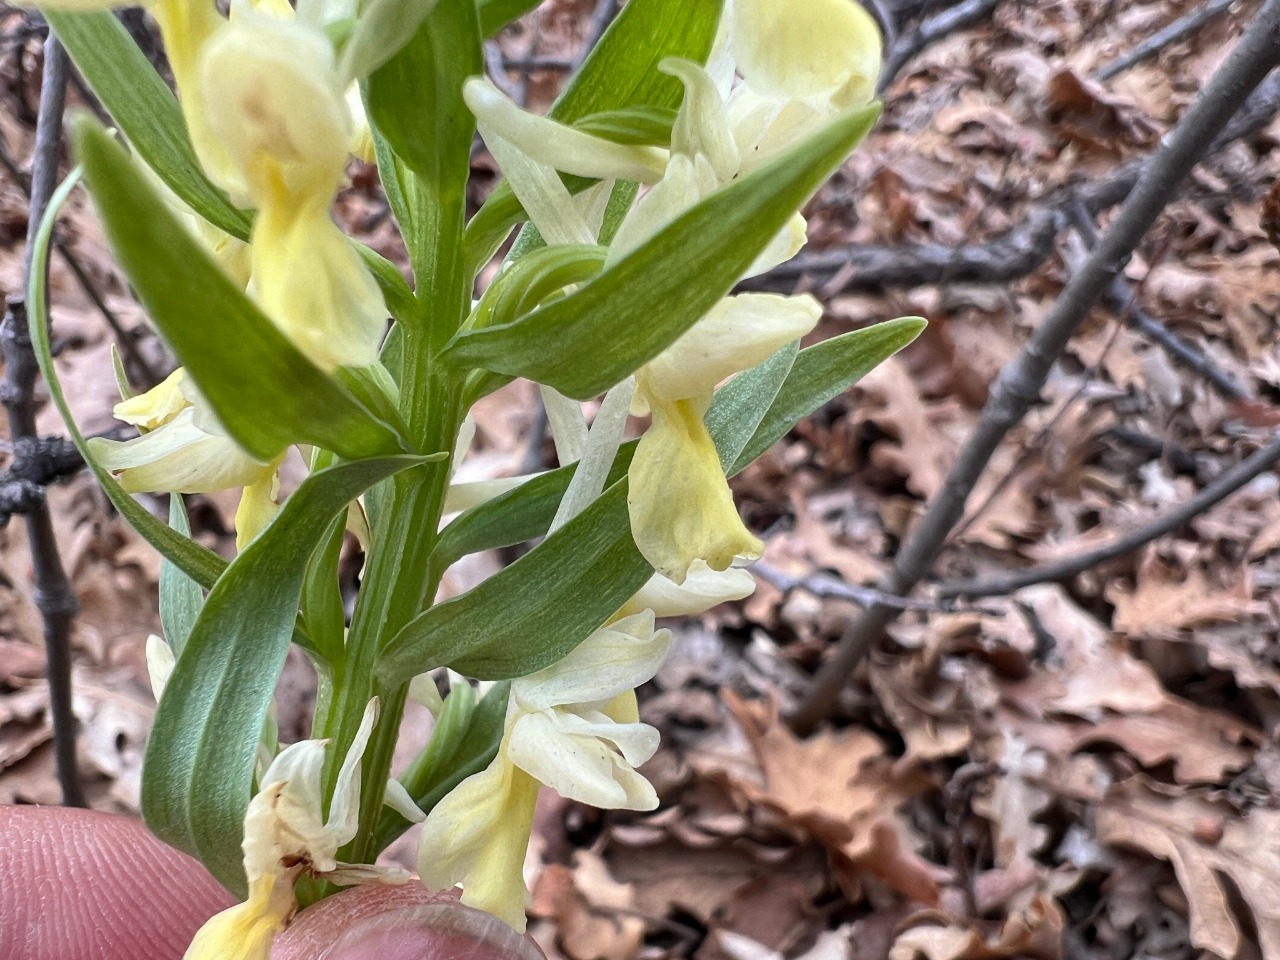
(1082, 767)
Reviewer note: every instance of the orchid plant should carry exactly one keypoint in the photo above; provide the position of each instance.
(674, 165)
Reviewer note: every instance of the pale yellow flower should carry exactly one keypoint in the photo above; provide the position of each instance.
(285, 836)
(186, 450)
(268, 86)
(572, 727)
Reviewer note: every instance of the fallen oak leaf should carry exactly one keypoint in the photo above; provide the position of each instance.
(1205, 841)
(838, 788)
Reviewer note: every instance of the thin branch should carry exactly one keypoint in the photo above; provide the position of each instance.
(603, 15)
(1119, 298)
(139, 369)
(909, 45)
(53, 594)
(1174, 32)
(829, 588)
(1010, 256)
(1221, 488)
(1020, 383)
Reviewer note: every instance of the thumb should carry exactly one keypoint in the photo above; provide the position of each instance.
(75, 884)
(377, 922)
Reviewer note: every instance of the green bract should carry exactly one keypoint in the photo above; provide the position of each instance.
(654, 185)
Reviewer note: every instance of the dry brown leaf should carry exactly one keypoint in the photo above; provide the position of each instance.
(1088, 671)
(836, 787)
(1206, 842)
(1033, 932)
(594, 914)
(1161, 603)
(1205, 745)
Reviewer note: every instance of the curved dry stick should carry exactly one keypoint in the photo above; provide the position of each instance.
(1019, 384)
(1227, 484)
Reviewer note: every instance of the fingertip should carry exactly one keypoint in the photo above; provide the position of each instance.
(403, 922)
(78, 884)
(435, 931)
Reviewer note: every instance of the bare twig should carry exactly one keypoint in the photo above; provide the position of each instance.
(136, 364)
(1119, 298)
(1213, 494)
(1019, 384)
(1174, 32)
(603, 15)
(829, 588)
(1008, 257)
(53, 594)
(907, 46)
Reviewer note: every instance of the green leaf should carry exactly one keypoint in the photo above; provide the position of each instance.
(415, 103)
(535, 611)
(638, 126)
(198, 772)
(145, 109)
(381, 30)
(620, 74)
(496, 14)
(181, 598)
(660, 290)
(395, 291)
(199, 563)
(513, 517)
(266, 394)
(322, 609)
(740, 405)
(824, 371)
(533, 279)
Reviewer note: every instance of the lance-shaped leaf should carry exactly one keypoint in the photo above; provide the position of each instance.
(822, 372)
(594, 338)
(535, 611)
(415, 103)
(199, 563)
(496, 14)
(198, 773)
(741, 404)
(515, 516)
(621, 74)
(265, 392)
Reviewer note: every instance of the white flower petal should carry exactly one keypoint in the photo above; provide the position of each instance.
(581, 768)
(825, 48)
(738, 333)
(702, 589)
(397, 798)
(160, 663)
(615, 658)
(556, 145)
(177, 456)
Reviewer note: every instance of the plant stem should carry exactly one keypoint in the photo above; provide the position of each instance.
(1019, 384)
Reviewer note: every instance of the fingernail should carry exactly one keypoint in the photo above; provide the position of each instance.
(437, 931)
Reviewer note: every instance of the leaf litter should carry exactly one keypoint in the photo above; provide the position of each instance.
(1084, 768)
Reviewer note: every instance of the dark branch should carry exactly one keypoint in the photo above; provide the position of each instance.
(53, 594)
(1020, 383)
(1008, 257)
(1227, 484)
(909, 45)
(1174, 32)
